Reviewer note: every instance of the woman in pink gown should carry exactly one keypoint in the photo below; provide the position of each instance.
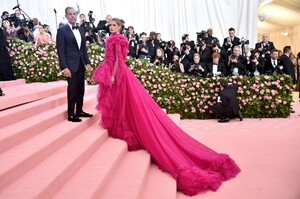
(130, 113)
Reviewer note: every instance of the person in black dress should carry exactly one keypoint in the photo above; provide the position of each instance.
(6, 70)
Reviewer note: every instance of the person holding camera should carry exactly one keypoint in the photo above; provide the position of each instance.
(256, 63)
(186, 56)
(160, 58)
(265, 46)
(171, 50)
(216, 67)
(104, 24)
(237, 62)
(197, 68)
(176, 65)
(143, 48)
(230, 42)
(227, 103)
(273, 65)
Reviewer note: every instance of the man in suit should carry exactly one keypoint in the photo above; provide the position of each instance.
(288, 66)
(273, 65)
(104, 24)
(72, 53)
(216, 68)
(230, 42)
(228, 105)
(237, 62)
(265, 46)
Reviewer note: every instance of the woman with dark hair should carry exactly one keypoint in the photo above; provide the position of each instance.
(128, 112)
(6, 70)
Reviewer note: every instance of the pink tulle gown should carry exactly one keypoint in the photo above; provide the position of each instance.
(130, 113)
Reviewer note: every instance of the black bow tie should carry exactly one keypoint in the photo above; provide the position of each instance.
(74, 27)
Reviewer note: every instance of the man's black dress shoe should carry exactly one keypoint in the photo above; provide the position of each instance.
(73, 118)
(83, 114)
(240, 116)
(226, 119)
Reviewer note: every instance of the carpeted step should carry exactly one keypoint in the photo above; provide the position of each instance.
(89, 181)
(17, 82)
(21, 94)
(159, 185)
(19, 132)
(50, 175)
(129, 179)
(16, 114)
(23, 157)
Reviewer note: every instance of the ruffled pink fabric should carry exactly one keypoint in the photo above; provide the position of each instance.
(130, 113)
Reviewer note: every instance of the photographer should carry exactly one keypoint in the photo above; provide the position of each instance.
(102, 39)
(160, 58)
(256, 64)
(203, 50)
(273, 65)
(171, 50)
(227, 104)
(89, 27)
(133, 42)
(143, 47)
(186, 56)
(265, 46)
(175, 65)
(230, 42)
(104, 24)
(237, 63)
(196, 68)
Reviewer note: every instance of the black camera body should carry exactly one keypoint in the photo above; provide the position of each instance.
(90, 15)
(202, 35)
(244, 41)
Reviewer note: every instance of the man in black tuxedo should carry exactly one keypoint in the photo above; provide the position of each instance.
(288, 66)
(273, 65)
(228, 105)
(237, 62)
(265, 46)
(216, 67)
(230, 42)
(72, 53)
(104, 24)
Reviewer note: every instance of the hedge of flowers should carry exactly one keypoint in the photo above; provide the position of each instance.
(192, 97)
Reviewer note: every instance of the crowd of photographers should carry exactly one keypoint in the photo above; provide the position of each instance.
(205, 57)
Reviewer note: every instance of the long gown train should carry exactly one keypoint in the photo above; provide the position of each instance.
(130, 113)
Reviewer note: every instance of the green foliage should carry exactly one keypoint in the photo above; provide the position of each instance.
(192, 97)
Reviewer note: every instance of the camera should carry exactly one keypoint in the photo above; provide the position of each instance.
(252, 57)
(200, 42)
(215, 43)
(232, 56)
(90, 15)
(171, 43)
(244, 41)
(201, 35)
(185, 36)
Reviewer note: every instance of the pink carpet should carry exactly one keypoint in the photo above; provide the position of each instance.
(49, 157)
(267, 151)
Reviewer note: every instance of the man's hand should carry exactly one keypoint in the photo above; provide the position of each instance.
(67, 72)
(89, 68)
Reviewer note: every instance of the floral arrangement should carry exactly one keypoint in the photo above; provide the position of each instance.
(192, 97)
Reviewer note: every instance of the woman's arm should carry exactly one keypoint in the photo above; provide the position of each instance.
(116, 65)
